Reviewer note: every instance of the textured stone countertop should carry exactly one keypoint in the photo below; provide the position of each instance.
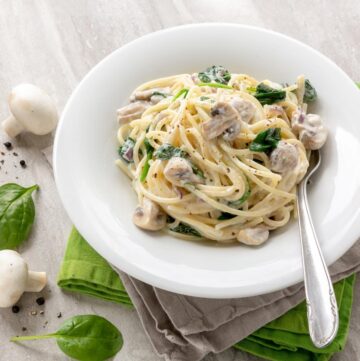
(54, 44)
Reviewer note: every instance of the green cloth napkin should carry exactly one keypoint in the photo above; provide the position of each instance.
(286, 338)
(84, 270)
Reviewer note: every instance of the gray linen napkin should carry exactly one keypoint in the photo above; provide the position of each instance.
(184, 328)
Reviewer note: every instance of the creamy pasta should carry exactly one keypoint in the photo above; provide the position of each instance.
(217, 155)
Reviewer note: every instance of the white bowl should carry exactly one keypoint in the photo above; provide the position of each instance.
(100, 200)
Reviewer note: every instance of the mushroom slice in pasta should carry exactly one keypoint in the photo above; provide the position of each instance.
(179, 171)
(149, 216)
(253, 236)
(284, 158)
(153, 95)
(131, 111)
(245, 108)
(310, 129)
(224, 117)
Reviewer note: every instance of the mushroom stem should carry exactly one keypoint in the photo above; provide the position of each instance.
(12, 126)
(36, 281)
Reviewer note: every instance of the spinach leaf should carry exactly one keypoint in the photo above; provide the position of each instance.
(185, 229)
(242, 199)
(224, 216)
(266, 141)
(215, 85)
(310, 94)
(197, 171)
(126, 150)
(169, 219)
(167, 151)
(180, 93)
(215, 73)
(149, 153)
(85, 338)
(267, 95)
(159, 94)
(17, 213)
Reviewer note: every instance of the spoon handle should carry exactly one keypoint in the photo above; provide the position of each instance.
(322, 311)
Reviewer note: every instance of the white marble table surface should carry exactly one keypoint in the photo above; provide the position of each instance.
(54, 44)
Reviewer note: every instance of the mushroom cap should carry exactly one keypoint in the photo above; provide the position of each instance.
(149, 216)
(14, 276)
(33, 108)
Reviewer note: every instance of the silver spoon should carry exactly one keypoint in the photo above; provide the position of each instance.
(322, 311)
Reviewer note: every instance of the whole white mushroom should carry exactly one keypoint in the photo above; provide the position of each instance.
(15, 278)
(32, 110)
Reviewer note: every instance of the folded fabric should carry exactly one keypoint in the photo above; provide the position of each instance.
(187, 328)
(84, 270)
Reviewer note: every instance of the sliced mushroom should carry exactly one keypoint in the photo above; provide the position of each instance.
(245, 108)
(223, 117)
(232, 132)
(310, 129)
(178, 171)
(153, 95)
(284, 157)
(195, 78)
(298, 119)
(274, 110)
(253, 236)
(131, 111)
(314, 135)
(149, 216)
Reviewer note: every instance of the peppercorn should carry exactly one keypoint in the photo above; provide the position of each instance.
(15, 309)
(40, 301)
(8, 145)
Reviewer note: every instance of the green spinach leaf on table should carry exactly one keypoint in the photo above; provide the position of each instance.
(85, 338)
(17, 213)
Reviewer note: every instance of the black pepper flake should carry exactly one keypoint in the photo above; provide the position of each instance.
(23, 163)
(16, 308)
(15, 154)
(40, 301)
(155, 175)
(59, 315)
(2, 153)
(24, 329)
(2, 161)
(42, 312)
(8, 145)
